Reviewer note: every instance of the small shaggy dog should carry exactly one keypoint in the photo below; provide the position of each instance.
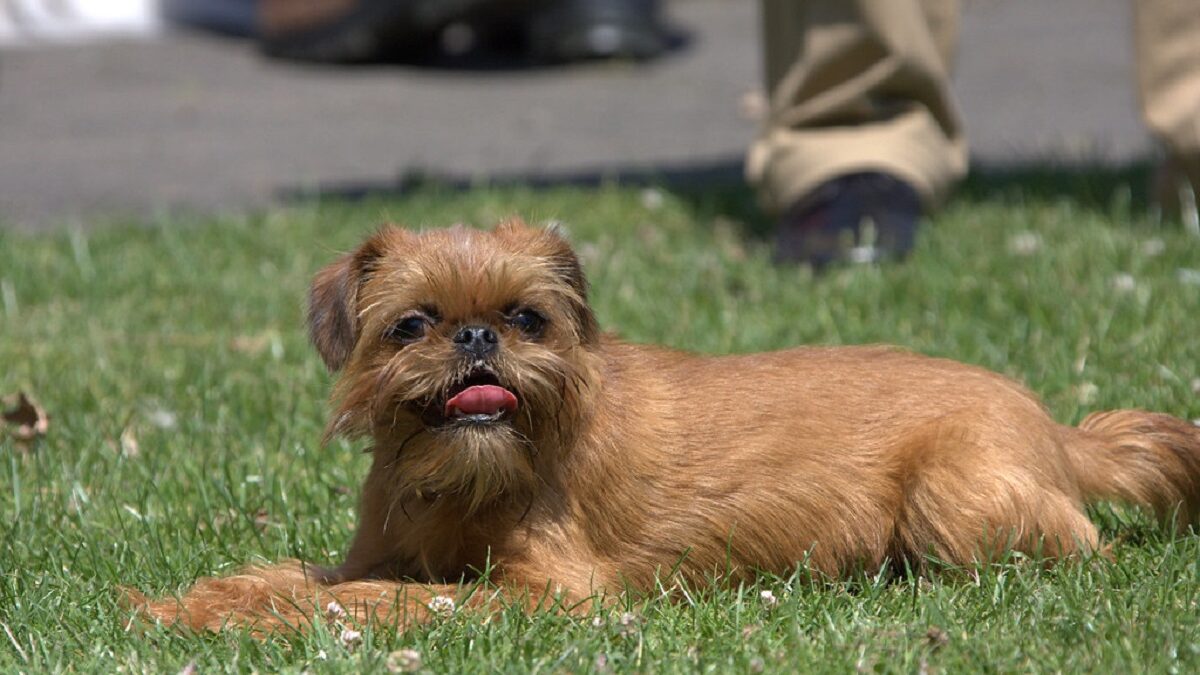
(510, 433)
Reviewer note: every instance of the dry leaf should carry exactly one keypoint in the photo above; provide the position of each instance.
(936, 638)
(23, 418)
(129, 443)
(253, 345)
(262, 520)
(250, 344)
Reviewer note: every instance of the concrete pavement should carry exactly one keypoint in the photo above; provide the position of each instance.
(202, 123)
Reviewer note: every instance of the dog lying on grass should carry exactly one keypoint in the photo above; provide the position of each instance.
(510, 433)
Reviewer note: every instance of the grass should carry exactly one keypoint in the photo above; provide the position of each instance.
(186, 409)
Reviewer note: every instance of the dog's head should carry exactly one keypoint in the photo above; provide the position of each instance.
(466, 353)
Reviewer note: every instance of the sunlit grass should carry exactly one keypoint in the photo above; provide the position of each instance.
(185, 337)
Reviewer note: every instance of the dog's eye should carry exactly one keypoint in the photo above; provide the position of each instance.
(408, 329)
(528, 322)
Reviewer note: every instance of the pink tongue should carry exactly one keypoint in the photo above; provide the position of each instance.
(482, 399)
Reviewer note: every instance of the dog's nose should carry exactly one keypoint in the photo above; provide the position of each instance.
(478, 341)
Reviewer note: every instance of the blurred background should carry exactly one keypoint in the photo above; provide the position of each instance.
(136, 108)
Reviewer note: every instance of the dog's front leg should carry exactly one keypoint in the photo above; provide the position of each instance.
(381, 521)
(283, 597)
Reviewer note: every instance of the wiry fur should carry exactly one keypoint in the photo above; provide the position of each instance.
(625, 461)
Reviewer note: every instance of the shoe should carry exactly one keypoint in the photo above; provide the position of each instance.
(350, 31)
(561, 31)
(1176, 192)
(860, 217)
(230, 17)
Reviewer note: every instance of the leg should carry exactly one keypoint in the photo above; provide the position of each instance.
(285, 597)
(1167, 38)
(380, 519)
(857, 86)
(955, 524)
(976, 491)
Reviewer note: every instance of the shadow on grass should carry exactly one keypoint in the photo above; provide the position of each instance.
(1092, 187)
(718, 189)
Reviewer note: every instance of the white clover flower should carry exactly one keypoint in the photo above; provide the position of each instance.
(334, 611)
(768, 598)
(350, 638)
(1124, 282)
(628, 624)
(652, 199)
(404, 661)
(1153, 247)
(441, 604)
(1024, 243)
(163, 419)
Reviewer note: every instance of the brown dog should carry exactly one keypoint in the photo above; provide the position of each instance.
(508, 432)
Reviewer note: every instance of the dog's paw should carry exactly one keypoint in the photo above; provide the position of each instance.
(327, 576)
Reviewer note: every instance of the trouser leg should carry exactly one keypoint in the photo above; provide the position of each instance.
(857, 85)
(1167, 39)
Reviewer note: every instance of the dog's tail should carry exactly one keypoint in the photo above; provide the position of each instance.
(286, 597)
(1143, 458)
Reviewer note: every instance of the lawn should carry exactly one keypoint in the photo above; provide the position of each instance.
(186, 410)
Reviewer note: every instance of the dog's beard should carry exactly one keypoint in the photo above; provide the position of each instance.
(474, 461)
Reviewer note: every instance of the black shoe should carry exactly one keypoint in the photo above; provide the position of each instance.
(860, 217)
(579, 30)
(1176, 192)
(352, 31)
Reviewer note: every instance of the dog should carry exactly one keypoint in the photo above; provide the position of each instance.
(511, 435)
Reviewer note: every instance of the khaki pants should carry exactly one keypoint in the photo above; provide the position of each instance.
(860, 85)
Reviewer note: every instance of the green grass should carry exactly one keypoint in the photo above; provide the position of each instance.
(186, 335)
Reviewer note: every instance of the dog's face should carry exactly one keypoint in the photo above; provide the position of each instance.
(464, 352)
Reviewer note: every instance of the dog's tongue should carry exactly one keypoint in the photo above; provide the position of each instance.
(481, 399)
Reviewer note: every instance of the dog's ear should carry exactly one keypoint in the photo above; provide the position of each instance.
(333, 302)
(551, 244)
